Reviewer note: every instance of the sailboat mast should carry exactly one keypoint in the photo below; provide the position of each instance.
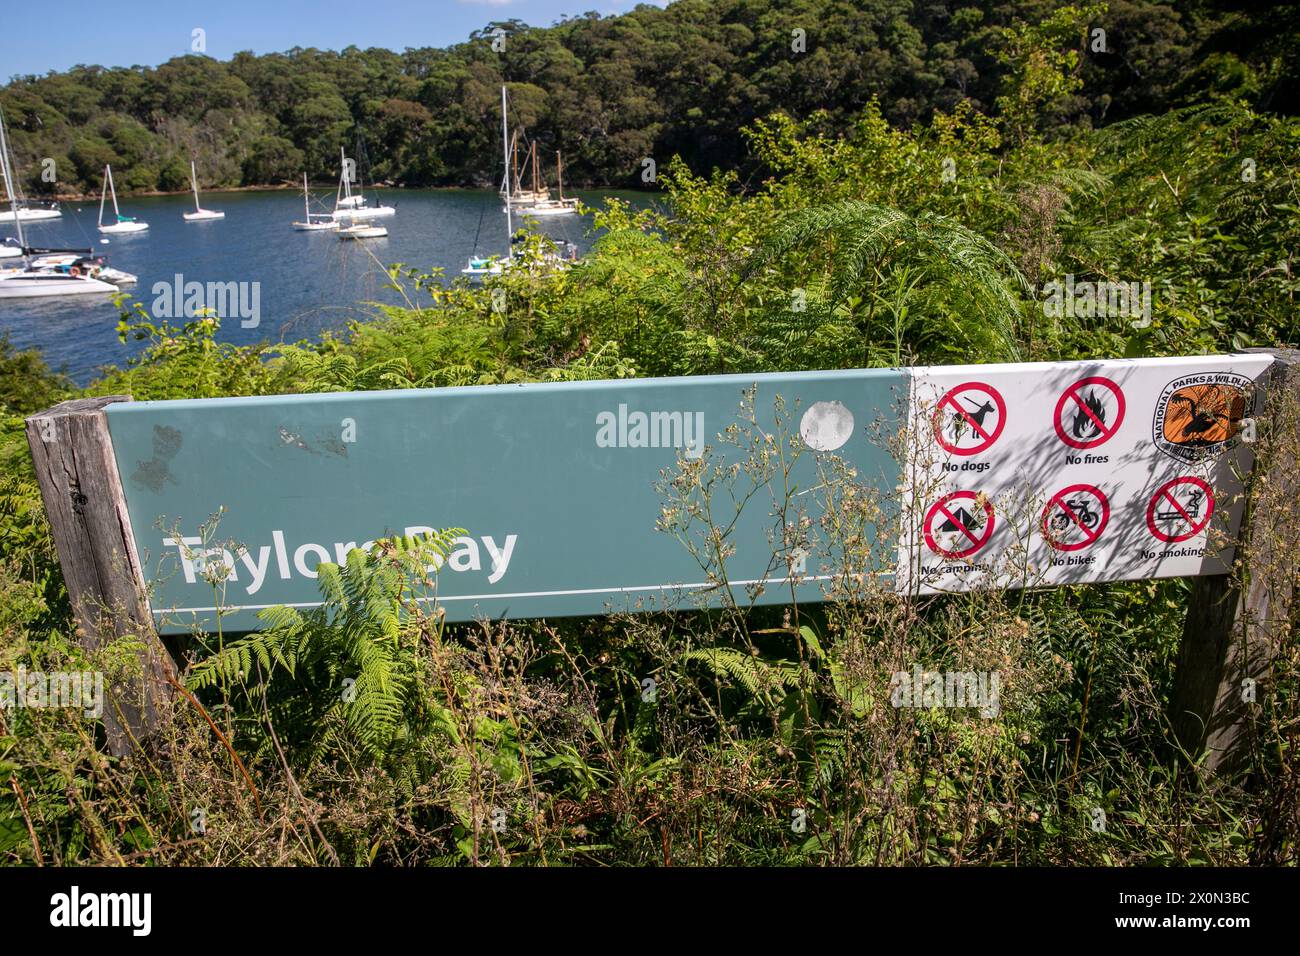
(533, 153)
(103, 194)
(505, 157)
(194, 181)
(514, 151)
(306, 208)
(11, 187)
(113, 189)
(559, 174)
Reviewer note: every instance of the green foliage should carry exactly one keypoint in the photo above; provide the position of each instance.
(611, 90)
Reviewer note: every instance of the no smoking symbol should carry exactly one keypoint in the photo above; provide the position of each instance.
(1075, 517)
(1089, 412)
(969, 418)
(967, 529)
(1183, 506)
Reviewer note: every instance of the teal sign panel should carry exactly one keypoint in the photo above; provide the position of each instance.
(554, 484)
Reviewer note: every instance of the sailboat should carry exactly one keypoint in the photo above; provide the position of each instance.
(546, 206)
(30, 213)
(123, 224)
(519, 196)
(313, 221)
(199, 214)
(348, 205)
(480, 266)
(79, 277)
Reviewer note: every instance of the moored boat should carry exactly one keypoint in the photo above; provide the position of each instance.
(122, 224)
(199, 214)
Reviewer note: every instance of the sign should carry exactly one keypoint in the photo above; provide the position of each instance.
(1078, 473)
(1181, 509)
(561, 488)
(961, 531)
(555, 484)
(1075, 517)
(969, 418)
(1089, 412)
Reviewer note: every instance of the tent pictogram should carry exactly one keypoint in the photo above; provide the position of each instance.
(959, 524)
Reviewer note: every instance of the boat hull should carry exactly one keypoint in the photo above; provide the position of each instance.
(203, 215)
(365, 212)
(30, 215)
(363, 232)
(34, 285)
(124, 228)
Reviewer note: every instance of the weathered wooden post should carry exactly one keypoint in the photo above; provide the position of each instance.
(84, 501)
(1236, 623)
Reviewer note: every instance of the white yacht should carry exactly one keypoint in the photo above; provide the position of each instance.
(121, 224)
(349, 205)
(314, 221)
(199, 214)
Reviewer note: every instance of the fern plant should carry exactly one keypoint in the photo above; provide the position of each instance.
(354, 679)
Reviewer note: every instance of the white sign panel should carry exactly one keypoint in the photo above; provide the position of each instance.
(1060, 473)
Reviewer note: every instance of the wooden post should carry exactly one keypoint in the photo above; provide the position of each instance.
(84, 502)
(1236, 622)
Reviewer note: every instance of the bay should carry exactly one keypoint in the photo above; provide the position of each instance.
(309, 282)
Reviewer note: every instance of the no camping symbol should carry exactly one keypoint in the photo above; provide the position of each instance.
(1180, 509)
(1075, 517)
(959, 524)
(1089, 412)
(969, 418)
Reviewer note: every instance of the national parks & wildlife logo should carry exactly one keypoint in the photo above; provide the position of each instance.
(1198, 416)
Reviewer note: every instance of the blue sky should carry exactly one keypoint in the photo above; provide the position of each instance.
(40, 37)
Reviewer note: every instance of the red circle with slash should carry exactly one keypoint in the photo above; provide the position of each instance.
(941, 507)
(1059, 516)
(948, 405)
(1071, 402)
(1174, 511)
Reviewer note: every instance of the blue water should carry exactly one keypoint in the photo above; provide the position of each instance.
(309, 282)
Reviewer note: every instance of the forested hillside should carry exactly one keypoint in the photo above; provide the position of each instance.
(609, 91)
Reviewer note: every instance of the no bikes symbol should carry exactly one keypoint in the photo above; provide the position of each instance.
(1075, 517)
(1183, 506)
(961, 530)
(969, 418)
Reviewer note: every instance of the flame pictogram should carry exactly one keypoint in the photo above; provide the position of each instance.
(1083, 426)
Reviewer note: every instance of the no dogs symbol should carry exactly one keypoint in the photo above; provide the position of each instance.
(959, 524)
(969, 418)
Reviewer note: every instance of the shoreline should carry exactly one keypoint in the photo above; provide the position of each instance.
(94, 197)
